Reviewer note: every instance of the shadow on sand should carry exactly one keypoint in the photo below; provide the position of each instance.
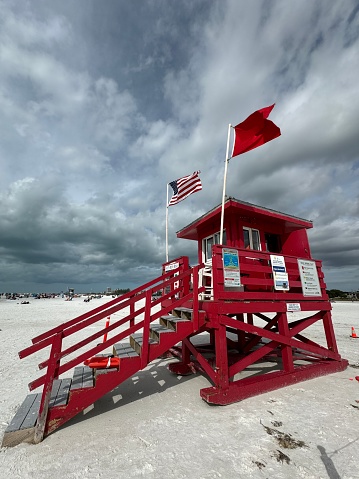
(156, 378)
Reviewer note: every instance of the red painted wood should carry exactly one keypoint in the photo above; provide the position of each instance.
(284, 340)
(287, 352)
(116, 338)
(121, 299)
(52, 373)
(251, 358)
(202, 361)
(146, 331)
(255, 340)
(256, 276)
(329, 332)
(252, 386)
(229, 312)
(222, 378)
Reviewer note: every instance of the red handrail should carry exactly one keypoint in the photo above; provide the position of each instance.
(145, 292)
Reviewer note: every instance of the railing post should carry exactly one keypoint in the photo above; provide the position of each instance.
(185, 281)
(146, 330)
(132, 313)
(52, 373)
(195, 303)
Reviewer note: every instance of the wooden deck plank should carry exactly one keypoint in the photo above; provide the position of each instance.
(20, 415)
(82, 378)
(62, 393)
(77, 378)
(87, 378)
(124, 350)
(31, 416)
(100, 372)
(54, 391)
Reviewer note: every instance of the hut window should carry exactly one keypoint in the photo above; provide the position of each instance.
(251, 239)
(209, 242)
(273, 244)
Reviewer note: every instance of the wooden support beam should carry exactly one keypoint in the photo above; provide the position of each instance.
(222, 378)
(254, 385)
(287, 352)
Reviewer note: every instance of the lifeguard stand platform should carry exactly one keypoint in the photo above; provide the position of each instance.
(239, 316)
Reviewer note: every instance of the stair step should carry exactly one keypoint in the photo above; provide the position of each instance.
(124, 350)
(171, 322)
(26, 415)
(82, 378)
(182, 312)
(136, 341)
(62, 388)
(158, 329)
(21, 427)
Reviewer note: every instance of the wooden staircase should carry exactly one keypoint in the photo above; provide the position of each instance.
(61, 399)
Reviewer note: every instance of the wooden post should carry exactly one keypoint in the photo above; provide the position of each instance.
(241, 335)
(146, 330)
(52, 373)
(287, 353)
(222, 378)
(329, 332)
(132, 313)
(195, 317)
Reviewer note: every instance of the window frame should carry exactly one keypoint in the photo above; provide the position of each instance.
(215, 240)
(251, 237)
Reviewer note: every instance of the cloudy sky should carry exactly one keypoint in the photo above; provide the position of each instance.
(103, 103)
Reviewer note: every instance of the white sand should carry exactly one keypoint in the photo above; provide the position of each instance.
(155, 425)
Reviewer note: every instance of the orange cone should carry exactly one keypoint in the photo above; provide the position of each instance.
(107, 325)
(354, 334)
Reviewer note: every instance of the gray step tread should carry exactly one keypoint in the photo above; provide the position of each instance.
(27, 413)
(159, 328)
(82, 378)
(138, 338)
(60, 399)
(124, 350)
(175, 319)
(184, 310)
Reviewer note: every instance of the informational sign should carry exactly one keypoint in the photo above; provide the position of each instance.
(293, 307)
(171, 266)
(280, 275)
(231, 272)
(309, 278)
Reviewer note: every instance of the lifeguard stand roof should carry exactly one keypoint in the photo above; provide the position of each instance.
(243, 210)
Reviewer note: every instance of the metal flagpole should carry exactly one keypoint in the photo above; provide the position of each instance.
(224, 184)
(167, 226)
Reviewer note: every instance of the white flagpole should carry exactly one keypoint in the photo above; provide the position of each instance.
(224, 184)
(167, 226)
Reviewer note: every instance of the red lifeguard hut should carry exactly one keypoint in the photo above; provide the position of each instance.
(230, 316)
(252, 283)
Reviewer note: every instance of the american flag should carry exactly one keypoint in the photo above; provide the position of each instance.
(183, 187)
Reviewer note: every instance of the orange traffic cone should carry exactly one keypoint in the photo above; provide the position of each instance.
(107, 325)
(354, 334)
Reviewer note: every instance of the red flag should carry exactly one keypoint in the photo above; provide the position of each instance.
(183, 187)
(254, 131)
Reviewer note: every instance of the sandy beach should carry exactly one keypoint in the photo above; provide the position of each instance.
(155, 425)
